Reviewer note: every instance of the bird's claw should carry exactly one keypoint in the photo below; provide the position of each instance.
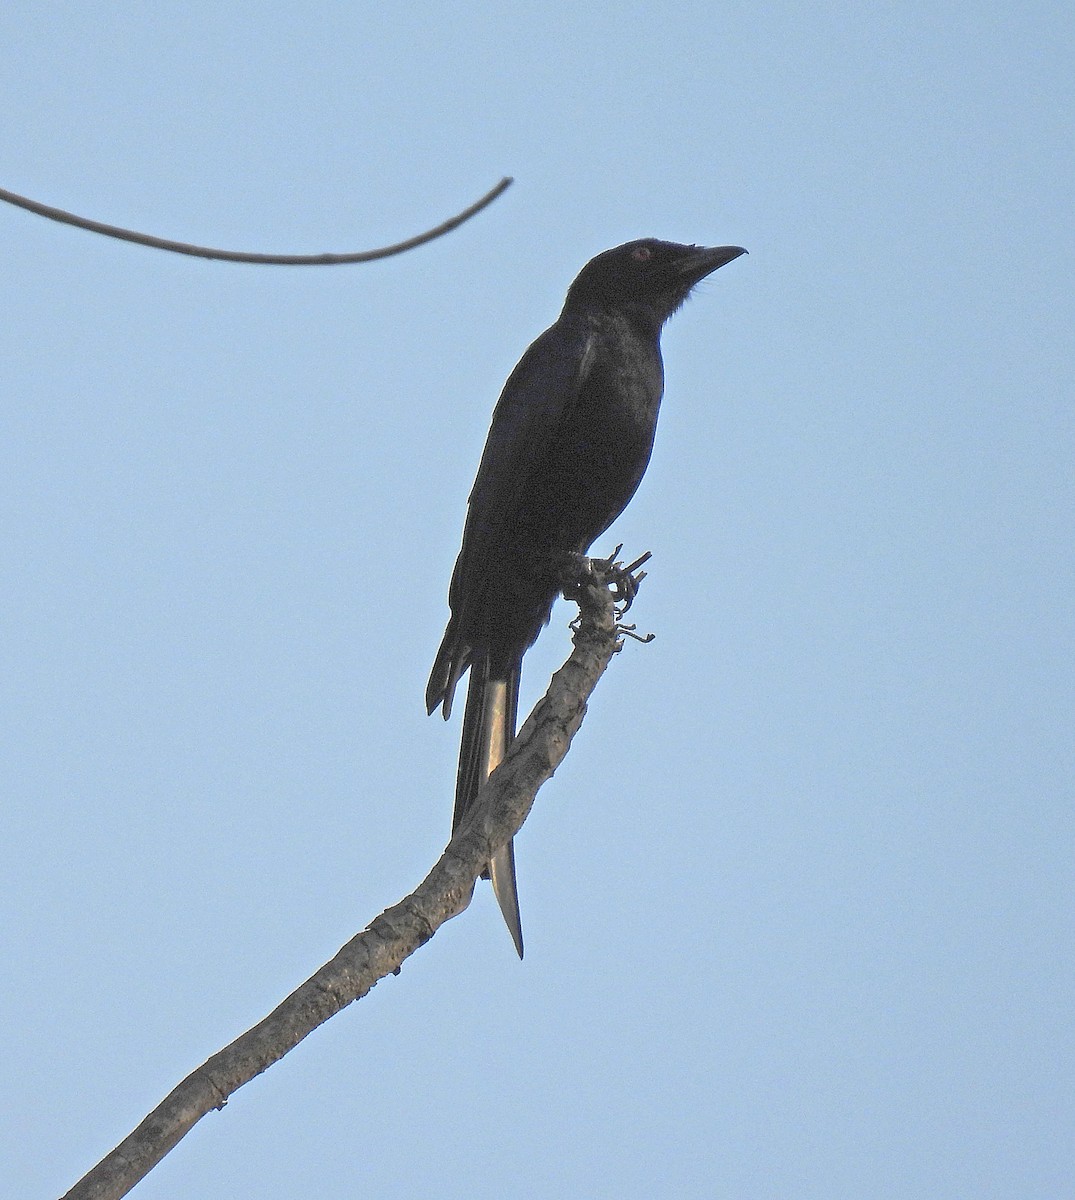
(624, 580)
(607, 572)
(623, 631)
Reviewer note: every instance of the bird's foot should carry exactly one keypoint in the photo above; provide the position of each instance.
(622, 580)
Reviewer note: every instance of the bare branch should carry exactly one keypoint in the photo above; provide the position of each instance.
(287, 260)
(502, 806)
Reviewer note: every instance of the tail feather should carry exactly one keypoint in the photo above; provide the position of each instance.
(453, 658)
(488, 728)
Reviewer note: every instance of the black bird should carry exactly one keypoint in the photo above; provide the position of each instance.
(570, 439)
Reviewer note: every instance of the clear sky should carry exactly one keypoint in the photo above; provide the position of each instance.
(798, 906)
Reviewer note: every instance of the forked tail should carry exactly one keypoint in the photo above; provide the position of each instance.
(488, 728)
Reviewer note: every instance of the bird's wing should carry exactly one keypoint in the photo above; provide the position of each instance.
(542, 389)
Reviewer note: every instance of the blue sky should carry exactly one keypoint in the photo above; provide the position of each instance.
(798, 905)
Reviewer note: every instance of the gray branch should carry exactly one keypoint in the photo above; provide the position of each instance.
(499, 812)
(248, 256)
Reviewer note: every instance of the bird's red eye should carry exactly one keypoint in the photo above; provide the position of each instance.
(642, 254)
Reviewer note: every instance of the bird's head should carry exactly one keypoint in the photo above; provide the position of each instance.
(649, 274)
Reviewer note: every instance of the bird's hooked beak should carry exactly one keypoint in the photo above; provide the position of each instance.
(701, 261)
